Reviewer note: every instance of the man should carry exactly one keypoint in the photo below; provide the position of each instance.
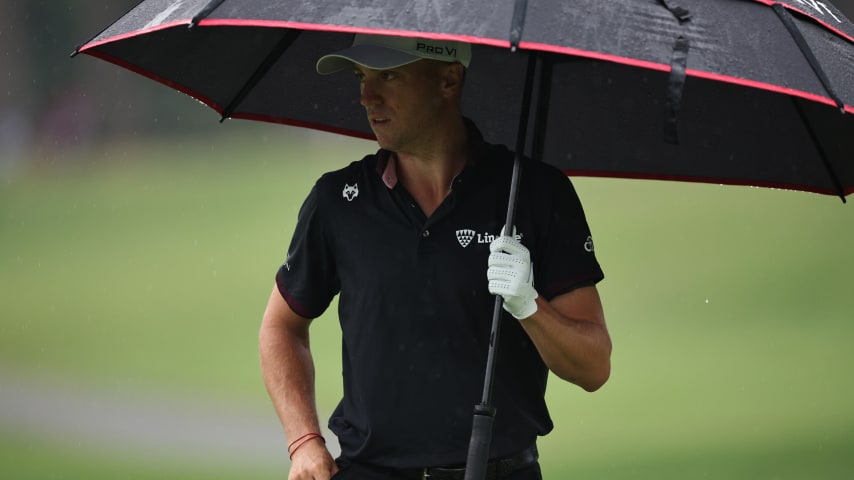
(410, 240)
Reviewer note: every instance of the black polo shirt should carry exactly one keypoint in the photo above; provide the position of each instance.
(414, 307)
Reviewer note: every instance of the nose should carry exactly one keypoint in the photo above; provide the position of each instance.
(369, 94)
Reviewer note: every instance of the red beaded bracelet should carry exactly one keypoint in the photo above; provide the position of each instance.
(302, 441)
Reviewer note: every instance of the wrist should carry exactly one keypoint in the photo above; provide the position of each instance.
(523, 308)
(303, 440)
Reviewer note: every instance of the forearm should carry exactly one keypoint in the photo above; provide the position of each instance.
(575, 349)
(288, 371)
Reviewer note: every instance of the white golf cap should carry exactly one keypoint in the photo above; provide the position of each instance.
(381, 52)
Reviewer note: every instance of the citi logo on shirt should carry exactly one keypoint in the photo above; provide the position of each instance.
(466, 236)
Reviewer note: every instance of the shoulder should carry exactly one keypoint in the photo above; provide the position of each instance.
(545, 180)
(542, 176)
(339, 182)
(543, 171)
(502, 157)
(355, 170)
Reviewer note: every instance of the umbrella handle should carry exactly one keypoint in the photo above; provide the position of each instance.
(481, 437)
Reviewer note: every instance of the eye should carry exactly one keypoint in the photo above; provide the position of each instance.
(388, 75)
(359, 75)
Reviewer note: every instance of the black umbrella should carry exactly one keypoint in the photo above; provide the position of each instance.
(748, 92)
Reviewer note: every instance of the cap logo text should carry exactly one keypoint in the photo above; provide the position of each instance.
(436, 50)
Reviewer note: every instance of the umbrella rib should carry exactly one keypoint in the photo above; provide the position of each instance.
(796, 34)
(675, 89)
(681, 14)
(77, 48)
(204, 12)
(677, 77)
(840, 191)
(518, 23)
(271, 58)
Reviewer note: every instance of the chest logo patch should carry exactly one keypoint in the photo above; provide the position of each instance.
(351, 191)
(465, 236)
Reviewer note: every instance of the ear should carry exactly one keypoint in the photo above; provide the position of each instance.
(452, 79)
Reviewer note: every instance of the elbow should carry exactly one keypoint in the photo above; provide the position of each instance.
(600, 375)
(590, 380)
(598, 379)
(596, 374)
(601, 371)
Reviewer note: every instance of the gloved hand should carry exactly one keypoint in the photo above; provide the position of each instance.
(511, 275)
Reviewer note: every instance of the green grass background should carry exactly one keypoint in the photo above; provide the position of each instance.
(145, 266)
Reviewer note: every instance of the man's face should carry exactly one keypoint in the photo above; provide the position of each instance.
(403, 104)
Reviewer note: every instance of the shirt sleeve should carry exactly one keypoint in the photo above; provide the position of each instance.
(307, 279)
(566, 259)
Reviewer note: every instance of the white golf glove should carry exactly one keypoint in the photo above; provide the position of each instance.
(511, 275)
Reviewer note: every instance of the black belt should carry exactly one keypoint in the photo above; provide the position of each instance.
(495, 469)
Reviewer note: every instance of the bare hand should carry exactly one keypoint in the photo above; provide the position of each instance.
(312, 462)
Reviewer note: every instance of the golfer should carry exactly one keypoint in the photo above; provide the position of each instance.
(410, 239)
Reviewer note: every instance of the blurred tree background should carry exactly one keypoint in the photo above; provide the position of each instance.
(50, 103)
(108, 181)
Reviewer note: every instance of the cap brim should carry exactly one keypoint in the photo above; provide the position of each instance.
(370, 56)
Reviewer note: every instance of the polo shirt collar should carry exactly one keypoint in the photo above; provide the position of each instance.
(387, 160)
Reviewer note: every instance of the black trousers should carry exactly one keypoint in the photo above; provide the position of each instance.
(360, 471)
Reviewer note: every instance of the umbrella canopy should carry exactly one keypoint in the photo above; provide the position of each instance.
(749, 92)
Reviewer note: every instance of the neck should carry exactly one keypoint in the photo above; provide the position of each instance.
(428, 174)
(442, 158)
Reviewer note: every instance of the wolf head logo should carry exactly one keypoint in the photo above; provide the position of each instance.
(351, 191)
